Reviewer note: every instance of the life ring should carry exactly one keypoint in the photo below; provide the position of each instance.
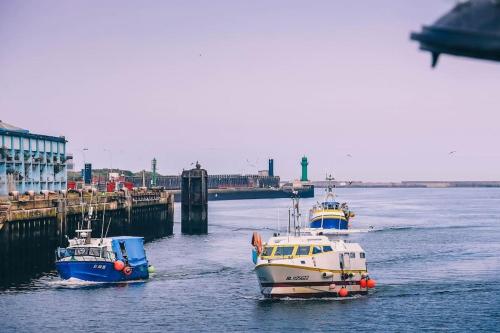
(257, 242)
(127, 270)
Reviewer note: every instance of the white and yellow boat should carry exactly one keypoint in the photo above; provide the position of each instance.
(310, 266)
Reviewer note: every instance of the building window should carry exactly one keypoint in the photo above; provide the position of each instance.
(361, 254)
(41, 145)
(33, 145)
(47, 146)
(8, 142)
(17, 143)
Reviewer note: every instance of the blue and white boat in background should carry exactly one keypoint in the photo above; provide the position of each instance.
(113, 259)
(330, 217)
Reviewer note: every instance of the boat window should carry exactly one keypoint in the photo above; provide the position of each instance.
(284, 251)
(81, 251)
(327, 248)
(123, 250)
(303, 250)
(317, 249)
(267, 251)
(361, 254)
(63, 253)
(352, 255)
(94, 251)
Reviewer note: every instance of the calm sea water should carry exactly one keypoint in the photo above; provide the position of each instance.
(435, 256)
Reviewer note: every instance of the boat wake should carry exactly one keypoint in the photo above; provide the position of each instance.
(393, 228)
(188, 274)
(427, 227)
(77, 283)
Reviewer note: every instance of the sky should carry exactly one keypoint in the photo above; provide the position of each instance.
(233, 83)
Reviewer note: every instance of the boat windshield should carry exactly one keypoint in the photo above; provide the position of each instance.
(330, 205)
(84, 251)
(267, 251)
(284, 251)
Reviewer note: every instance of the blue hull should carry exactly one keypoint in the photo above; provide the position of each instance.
(98, 271)
(328, 223)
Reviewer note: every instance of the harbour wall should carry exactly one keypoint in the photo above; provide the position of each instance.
(32, 227)
(253, 193)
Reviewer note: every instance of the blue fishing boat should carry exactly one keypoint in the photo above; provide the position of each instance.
(330, 214)
(103, 259)
(112, 259)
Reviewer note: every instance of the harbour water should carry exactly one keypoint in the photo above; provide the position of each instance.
(434, 254)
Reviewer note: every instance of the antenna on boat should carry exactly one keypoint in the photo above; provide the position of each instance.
(103, 222)
(296, 213)
(279, 221)
(82, 205)
(288, 233)
(330, 180)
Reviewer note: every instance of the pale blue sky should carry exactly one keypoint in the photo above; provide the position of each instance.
(226, 81)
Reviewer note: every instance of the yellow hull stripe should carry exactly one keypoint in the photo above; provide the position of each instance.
(313, 268)
(328, 217)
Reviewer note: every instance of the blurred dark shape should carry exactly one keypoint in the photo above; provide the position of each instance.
(471, 29)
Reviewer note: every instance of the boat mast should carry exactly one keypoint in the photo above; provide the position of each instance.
(296, 213)
(103, 221)
(288, 233)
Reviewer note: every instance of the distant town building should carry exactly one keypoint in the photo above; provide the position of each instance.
(31, 162)
(263, 173)
(70, 164)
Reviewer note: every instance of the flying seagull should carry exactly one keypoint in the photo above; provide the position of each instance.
(452, 152)
(250, 164)
(348, 155)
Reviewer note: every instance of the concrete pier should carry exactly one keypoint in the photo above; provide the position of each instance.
(194, 201)
(31, 227)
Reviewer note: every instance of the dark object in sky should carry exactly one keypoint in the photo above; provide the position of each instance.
(471, 29)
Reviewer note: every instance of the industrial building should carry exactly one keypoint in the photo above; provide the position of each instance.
(214, 181)
(31, 162)
(265, 179)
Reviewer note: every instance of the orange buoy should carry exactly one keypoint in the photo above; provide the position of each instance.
(371, 283)
(362, 283)
(257, 242)
(343, 292)
(127, 270)
(119, 265)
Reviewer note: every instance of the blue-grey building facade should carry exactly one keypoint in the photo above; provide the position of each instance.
(31, 162)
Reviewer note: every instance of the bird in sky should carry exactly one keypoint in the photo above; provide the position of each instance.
(452, 152)
(250, 163)
(348, 155)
